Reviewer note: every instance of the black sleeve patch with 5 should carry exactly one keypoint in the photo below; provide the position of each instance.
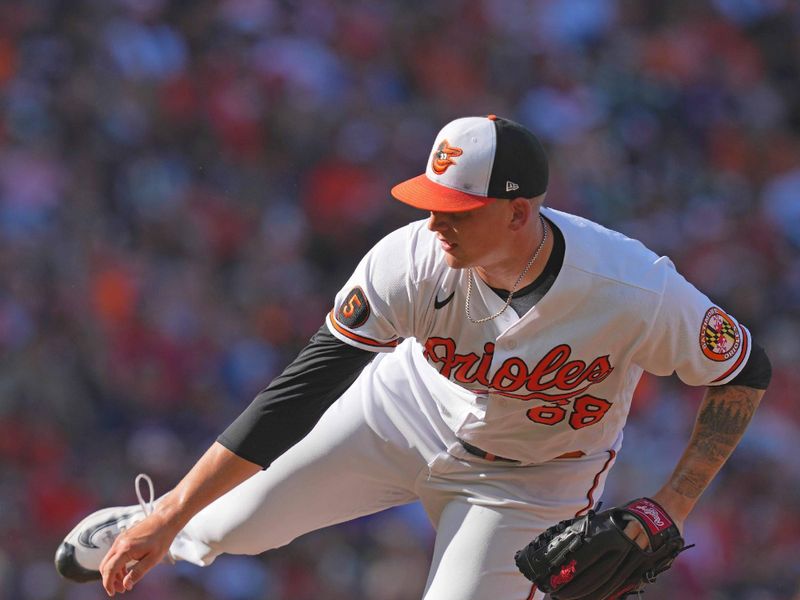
(354, 311)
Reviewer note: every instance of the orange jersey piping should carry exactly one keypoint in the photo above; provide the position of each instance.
(359, 338)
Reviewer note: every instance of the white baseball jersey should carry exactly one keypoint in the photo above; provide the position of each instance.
(559, 378)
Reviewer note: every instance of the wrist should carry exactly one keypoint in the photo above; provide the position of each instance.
(677, 506)
(172, 513)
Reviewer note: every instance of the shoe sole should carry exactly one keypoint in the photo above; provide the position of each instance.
(68, 567)
(66, 561)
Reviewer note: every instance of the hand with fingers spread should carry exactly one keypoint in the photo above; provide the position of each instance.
(135, 552)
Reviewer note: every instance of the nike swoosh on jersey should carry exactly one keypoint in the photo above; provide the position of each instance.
(437, 304)
(87, 535)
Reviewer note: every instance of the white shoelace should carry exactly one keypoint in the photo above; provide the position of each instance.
(147, 507)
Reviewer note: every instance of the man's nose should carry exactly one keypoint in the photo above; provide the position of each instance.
(438, 221)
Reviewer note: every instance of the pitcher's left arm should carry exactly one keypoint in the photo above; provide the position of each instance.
(722, 419)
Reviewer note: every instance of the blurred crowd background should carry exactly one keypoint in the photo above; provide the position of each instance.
(184, 185)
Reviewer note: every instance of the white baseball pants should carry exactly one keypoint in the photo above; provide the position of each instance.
(374, 449)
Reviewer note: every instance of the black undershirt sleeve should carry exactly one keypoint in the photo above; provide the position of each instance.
(283, 413)
(757, 372)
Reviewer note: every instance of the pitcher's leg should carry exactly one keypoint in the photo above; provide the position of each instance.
(484, 512)
(341, 470)
(473, 558)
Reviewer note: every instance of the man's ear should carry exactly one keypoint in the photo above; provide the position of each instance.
(521, 211)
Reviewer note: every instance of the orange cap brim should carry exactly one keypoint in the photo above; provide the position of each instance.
(421, 192)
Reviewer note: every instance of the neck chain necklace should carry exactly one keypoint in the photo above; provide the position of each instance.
(513, 289)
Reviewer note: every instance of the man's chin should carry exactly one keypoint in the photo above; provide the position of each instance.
(454, 262)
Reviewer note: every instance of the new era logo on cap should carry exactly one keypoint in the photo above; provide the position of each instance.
(476, 159)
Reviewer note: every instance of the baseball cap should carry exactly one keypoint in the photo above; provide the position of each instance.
(476, 159)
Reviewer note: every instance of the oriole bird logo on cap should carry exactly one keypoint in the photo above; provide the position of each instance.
(443, 157)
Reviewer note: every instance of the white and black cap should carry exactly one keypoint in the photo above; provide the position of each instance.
(475, 160)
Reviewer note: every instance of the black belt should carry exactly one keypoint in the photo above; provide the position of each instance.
(475, 451)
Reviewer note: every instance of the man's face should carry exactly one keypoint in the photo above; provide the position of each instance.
(474, 238)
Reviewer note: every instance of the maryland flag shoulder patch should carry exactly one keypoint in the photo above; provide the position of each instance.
(719, 335)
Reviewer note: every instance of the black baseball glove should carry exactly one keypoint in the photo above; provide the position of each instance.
(591, 558)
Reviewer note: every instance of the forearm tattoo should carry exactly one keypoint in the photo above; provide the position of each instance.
(723, 417)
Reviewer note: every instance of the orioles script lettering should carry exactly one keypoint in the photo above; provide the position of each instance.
(566, 378)
(555, 379)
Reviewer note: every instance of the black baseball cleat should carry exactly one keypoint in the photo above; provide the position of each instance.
(79, 556)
